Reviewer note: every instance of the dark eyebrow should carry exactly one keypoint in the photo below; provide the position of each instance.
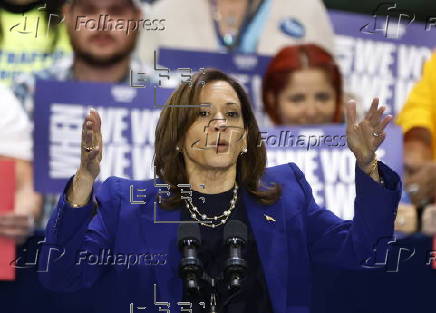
(207, 104)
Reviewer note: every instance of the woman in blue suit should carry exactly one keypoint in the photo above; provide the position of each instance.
(123, 238)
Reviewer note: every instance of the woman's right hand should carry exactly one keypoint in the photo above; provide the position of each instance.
(91, 155)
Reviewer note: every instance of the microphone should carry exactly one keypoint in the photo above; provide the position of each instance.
(190, 269)
(235, 237)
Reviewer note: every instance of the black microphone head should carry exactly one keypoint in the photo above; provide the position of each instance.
(189, 231)
(235, 228)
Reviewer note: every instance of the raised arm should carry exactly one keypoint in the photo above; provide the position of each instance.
(346, 243)
(79, 225)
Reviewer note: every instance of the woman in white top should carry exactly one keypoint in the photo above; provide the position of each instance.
(245, 26)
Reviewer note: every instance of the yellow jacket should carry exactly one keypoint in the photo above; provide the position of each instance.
(420, 107)
(25, 43)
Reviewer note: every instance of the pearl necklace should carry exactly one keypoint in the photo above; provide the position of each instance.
(214, 221)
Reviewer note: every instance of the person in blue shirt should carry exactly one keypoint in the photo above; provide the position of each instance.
(122, 237)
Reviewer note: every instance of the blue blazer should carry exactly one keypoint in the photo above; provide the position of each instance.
(303, 233)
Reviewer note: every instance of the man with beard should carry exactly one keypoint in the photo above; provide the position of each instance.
(102, 54)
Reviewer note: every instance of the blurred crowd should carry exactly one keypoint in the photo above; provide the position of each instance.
(302, 84)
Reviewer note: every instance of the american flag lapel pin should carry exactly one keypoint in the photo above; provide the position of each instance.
(269, 218)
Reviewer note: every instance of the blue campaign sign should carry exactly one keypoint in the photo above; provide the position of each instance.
(376, 60)
(321, 152)
(382, 54)
(247, 68)
(130, 115)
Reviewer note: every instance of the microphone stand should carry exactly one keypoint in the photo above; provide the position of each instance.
(214, 292)
(213, 302)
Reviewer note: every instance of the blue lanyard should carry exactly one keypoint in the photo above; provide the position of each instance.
(248, 18)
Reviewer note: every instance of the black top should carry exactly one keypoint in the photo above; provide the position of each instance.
(253, 296)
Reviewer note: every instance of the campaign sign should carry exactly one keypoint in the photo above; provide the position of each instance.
(322, 154)
(382, 55)
(130, 115)
(379, 56)
(7, 204)
(246, 68)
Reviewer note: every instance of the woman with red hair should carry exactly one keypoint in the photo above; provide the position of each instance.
(303, 85)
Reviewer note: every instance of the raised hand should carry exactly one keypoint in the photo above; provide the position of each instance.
(365, 137)
(91, 155)
(91, 144)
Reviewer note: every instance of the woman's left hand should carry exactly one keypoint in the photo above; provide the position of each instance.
(363, 138)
